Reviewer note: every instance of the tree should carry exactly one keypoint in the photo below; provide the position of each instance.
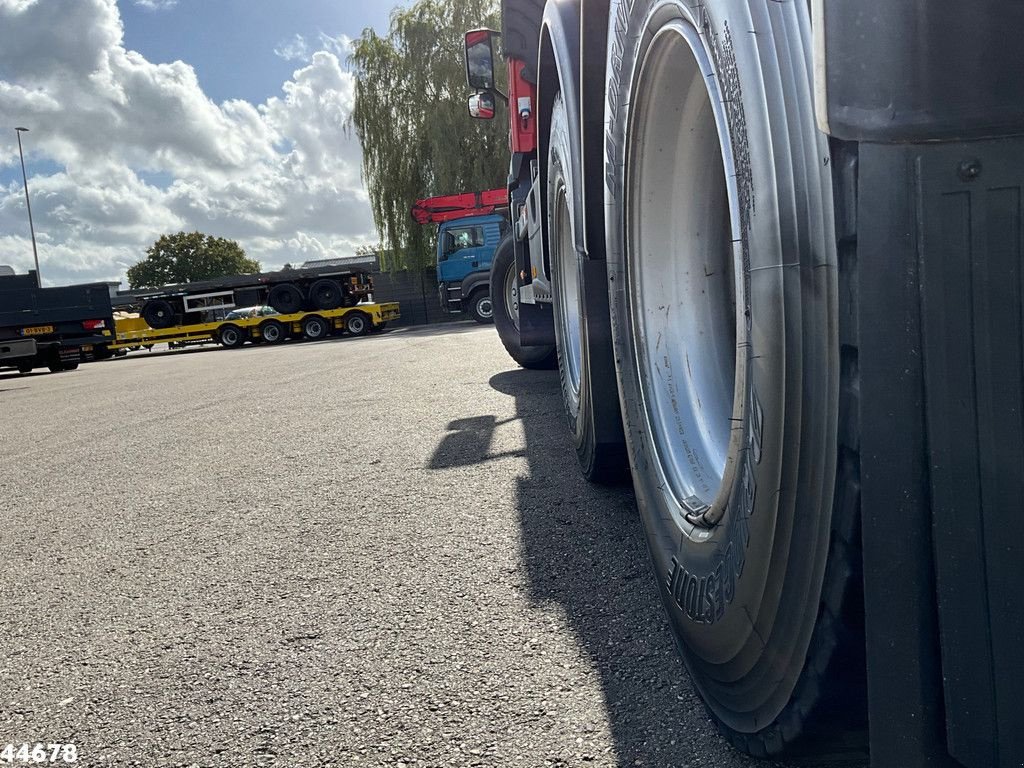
(189, 256)
(411, 118)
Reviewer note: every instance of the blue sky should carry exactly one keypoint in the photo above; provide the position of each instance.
(230, 43)
(154, 116)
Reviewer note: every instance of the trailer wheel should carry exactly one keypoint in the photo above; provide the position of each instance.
(724, 285)
(481, 308)
(357, 324)
(315, 328)
(272, 331)
(504, 299)
(582, 331)
(158, 314)
(285, 298)
(325, 294)
(231, 336)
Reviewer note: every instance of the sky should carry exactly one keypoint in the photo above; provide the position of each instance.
(148, 117)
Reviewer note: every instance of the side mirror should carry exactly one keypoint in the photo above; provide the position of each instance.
(481, 106)
(480, 59)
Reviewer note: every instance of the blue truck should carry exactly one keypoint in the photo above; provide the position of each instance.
(470, 227)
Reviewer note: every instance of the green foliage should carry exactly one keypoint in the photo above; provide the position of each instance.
(411, 118)
(189, 256)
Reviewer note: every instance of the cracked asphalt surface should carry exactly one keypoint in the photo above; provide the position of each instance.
(361, 552)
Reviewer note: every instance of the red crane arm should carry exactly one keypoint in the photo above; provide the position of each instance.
(435, 210)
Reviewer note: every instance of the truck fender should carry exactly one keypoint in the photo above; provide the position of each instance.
(474, 280)
(558, 69)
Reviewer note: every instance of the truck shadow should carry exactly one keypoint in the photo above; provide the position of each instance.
(584, 550)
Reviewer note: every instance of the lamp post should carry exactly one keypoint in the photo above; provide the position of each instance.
(31, 227)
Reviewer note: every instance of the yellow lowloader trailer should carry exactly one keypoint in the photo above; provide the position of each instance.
(359, 320)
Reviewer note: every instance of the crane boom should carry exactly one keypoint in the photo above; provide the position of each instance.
(436, 210)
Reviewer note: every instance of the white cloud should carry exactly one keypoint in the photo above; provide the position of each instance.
(294, 49)
(282, 177)
(155, 5)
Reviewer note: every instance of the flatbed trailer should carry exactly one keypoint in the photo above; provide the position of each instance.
(310, 289)
(356, 321)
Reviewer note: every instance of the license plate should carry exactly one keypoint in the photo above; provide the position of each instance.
(37, 330)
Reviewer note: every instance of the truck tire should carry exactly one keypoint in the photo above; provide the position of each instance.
(158, 314)
(315, 328)
(357, 324)
(285, 298)
(504, 298)
(272, 331)
(723, 286)
(25, 367)
(582, 330)
(325, 294)
(480, 306)
(231, 336)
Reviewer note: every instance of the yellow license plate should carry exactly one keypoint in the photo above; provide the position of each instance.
(37, 330)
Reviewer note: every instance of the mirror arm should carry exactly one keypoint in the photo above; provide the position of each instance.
(500, 95)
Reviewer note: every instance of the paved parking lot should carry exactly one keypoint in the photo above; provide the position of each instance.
(362, 552)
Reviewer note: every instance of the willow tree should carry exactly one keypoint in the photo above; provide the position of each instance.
(410, 116)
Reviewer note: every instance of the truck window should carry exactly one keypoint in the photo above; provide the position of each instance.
(463, 237)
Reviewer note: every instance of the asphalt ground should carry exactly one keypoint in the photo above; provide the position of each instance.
(360, 552)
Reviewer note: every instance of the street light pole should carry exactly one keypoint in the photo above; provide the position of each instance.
(31, 227)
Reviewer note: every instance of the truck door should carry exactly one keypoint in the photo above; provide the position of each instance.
(462, 249)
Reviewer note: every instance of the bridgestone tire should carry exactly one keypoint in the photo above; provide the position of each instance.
(325, 294)
(724, 286)
(315, 328)
(158, 314)
(503, 283)
(231, 336)
(582, 331)
(285, 298)
(272, 332)
(357, 324)
(481, 308)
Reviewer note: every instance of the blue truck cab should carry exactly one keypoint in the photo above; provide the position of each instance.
(465, 248)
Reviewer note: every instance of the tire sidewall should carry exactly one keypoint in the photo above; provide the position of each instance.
(542, 357)
(724, 592)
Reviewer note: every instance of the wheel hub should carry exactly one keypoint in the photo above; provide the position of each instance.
(684, 271)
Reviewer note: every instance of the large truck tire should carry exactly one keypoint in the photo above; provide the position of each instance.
(315, 328)
(724, 295)
(158, 314)
(504, 299)
(285, 298)
(480, 306)
(231, 336)
(582, 332)
(273, 331)
(326, 294)
(358, 323)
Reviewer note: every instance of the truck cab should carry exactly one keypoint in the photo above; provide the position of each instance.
(465, 248)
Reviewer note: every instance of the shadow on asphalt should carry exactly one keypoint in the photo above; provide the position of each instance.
(584, 549)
